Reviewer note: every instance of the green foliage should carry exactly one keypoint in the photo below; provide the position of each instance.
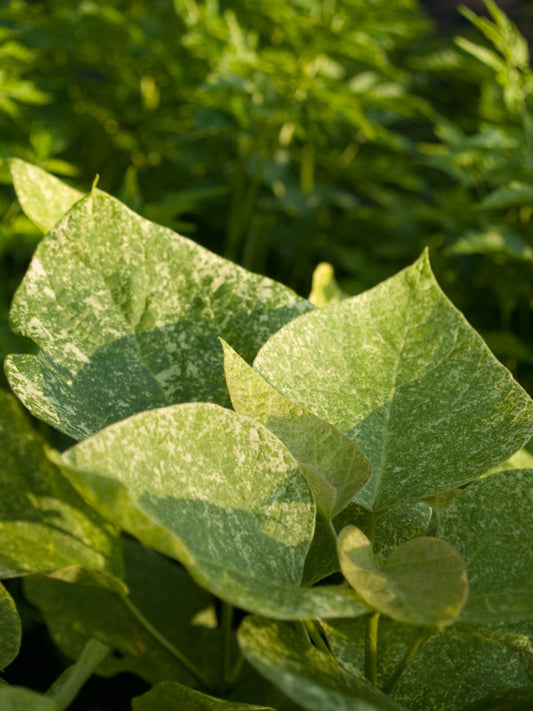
(268, 505)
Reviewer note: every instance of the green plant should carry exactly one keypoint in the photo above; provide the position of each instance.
(267, 504)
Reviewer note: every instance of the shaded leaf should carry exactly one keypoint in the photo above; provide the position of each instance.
(218, 492)
(490, 524)
(65, 689)
(43, 197)
(18, 698)
(127, 315)
(497, 240)
(401, 372)
(422, 582)
(10, 629)
(175, 697)
(310, 677)
(45, 525)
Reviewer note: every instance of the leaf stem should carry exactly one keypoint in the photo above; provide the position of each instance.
(390, 685)
(226, 619)
(371, 648)
(164, 642)
(316, 637)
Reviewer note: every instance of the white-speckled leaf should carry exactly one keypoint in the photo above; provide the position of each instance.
(43, 197)
(18, 698)
(164, 594)
(45, 525)
(491, 523)
(422, 582)
(127, 316)
(311, 678)
(10, 629)
(220, 493)
(399, 370)
(329, 458)
(449, 671)
(169, 696)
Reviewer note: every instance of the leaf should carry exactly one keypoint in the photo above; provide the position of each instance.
(325, 289)
(175, 697)
(496, 240)
(423, 582)
(328, 458)
(18, 698)
(65, 689)
(515, 193)
(127, 315)
(490, 523)
(400, 371)
(43, 197)
(45, 525)
(161, 593)
(310, 677)
(10, 629)
(462, 668)
(218, 492)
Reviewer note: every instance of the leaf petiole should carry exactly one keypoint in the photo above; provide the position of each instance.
(371, 648)
(421, 637)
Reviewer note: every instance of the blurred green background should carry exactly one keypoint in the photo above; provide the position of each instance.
(284, 133)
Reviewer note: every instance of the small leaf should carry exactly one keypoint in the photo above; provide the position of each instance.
(10, 629)
(175, 697)
(218, 492)
(490, 523)
(43, 197)
(324, 289)
(45, 525)
(310, 677)
(497, 240)
(423, 582)
(127, 316)
(18, 698)
(328, 458)
(400, 371)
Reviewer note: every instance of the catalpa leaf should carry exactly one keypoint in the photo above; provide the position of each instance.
(10, 629)
(490, 524)
(45, 525)
(329, 458)
(18, 698)
(218, 492)
(127, 315)
(422, 582)
(171, 696)
(43, 197)
(165, 622)
(401, 372)
(308, 676)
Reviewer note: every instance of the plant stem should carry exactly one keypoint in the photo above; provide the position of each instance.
(66, 687)
(371, 648)
(226, 618)
(316, 637)
(164, 642)
(389, 687)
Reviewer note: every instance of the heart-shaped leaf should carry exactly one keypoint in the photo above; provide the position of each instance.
(401, 372)
(127, 315)
(45, 525)
(220, 493)
(43, 197)
(175, 697)
(423, 582)
(490, 524)
(10, 629)
(310, 677)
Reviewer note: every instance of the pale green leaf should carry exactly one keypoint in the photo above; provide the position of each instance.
(45, 525)
(401, 372)
(490, 524)
(218, 492)
(127, 316)
(10, 629)
(169, 696)
(161, 594)
(328, 458)
(43, 197)
(423, 582)
(449, 671)
(18, 698)
(308, 676)
(324, 288)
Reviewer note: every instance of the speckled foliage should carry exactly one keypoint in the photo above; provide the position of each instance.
(358, 491)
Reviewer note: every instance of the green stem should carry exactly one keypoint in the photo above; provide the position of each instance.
(226, 619)
(316, 637)
(371, 648)
(164, 642)
(66, 687)
(390, 685)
